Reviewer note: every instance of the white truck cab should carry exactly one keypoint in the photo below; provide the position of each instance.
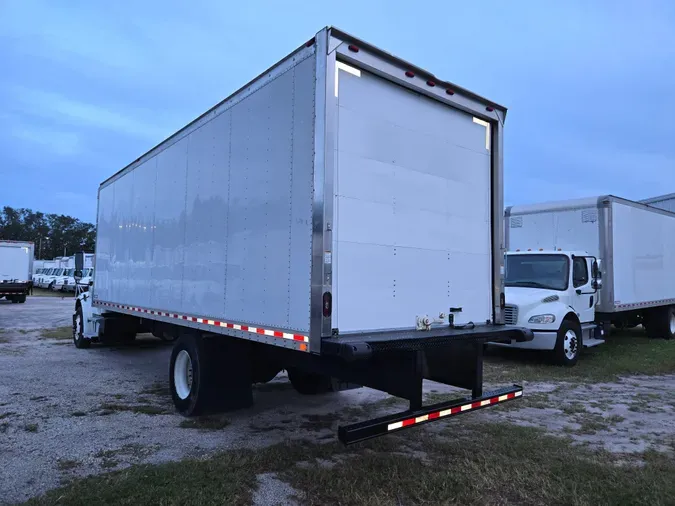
(554, 293)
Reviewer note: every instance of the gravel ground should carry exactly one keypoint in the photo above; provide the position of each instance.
(67, 413)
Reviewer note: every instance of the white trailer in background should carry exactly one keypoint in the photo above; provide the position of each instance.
(16, 265)
(339, 217)
(575, 267)
(665, 202)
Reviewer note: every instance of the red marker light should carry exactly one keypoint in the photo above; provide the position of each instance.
(431, 83)
(353, 48)
(450, 92)
(309, 43)
(327, 304)
(410, 74)
(489, 109)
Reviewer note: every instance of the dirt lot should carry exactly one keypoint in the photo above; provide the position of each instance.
(67, 413)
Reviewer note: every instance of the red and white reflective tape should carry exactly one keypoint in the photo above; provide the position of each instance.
(215, 323)
(453, 411)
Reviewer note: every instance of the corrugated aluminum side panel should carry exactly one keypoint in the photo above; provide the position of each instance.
(217, 223)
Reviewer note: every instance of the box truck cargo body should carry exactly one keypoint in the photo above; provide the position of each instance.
(326, 211)
(619, 267)
(665, 202)
(16, 266)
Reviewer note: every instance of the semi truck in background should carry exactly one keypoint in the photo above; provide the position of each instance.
(665, 202)
(16, 265)
(339, 217)
(575, 269)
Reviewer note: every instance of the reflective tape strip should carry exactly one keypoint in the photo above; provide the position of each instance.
(453, 411)
(215, 323)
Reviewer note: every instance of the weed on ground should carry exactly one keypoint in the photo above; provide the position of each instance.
(461, 464)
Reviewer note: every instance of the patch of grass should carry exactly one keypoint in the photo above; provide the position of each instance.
(109, 463)
(41, 292)
(57, 333)
(464, 464)
(67, 465)
(3, 427)
(574, 408)
(204, 423)
(78, 413)
(129, 450)
(318, 422)
(591, 423)
(12, 352)
(614, 419)
(31, 427)
(144, 409)
(159, 389)
(623, 354)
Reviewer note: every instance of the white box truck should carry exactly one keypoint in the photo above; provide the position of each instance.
(576, 267)
(339, 217)
(16, 265)
(665, 202)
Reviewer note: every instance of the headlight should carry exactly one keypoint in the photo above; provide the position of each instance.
(542, 318)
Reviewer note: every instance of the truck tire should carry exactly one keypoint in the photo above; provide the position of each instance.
(309, 384)
(568, 344)
(191, 376)
(661, 323)
(210, 375)
(22, 299)
(78, 330)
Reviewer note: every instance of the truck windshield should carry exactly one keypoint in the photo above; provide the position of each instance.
(537, 271)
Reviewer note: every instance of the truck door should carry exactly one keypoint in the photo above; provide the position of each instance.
(584, 296)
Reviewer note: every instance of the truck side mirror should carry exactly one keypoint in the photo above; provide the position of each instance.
(596, 273)
(79, 266)
(596, 284)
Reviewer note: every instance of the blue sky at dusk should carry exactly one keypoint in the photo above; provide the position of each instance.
(88, 86)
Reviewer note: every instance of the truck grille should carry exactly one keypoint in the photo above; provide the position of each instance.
(510, 314)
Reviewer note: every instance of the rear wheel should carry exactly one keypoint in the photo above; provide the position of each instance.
(21, 299)
(568, 344)
(661, 323)
(209, 375)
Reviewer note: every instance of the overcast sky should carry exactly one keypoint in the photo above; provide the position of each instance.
(88, 86)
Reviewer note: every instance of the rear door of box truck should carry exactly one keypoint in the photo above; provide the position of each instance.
(15, 261)
(412, 206)
(643, 246)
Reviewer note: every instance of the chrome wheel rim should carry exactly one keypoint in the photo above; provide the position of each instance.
(77, 328)
(182, 374)
(571, 344)
(672, 323)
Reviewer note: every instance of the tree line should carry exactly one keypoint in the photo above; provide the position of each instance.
(53, 234)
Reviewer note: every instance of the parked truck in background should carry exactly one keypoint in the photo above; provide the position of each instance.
(339, 217)
(575, 268)
(47, 267)
(665, 202)
(16, 265)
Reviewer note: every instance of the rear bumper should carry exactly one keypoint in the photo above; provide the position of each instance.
(15, 288)
(355, 433)
(542, 340)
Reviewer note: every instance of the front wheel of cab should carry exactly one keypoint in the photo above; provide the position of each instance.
(568, 344)
(78, 330)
